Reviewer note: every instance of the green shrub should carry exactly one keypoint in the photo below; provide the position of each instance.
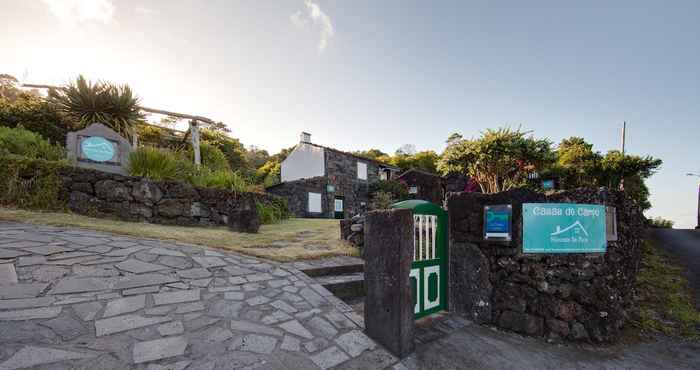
(382, 200)
(31, 183)
(36, 115)
(396, 189)
(158, 164)
(22, 142)
(273, 211)
(227, 179)
(212, 157)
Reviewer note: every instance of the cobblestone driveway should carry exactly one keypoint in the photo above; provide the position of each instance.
(75, 299)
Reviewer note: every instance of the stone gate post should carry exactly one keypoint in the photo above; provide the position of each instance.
(389, 317)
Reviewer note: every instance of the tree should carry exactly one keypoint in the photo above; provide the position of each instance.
(375, 154)
(426, 160)
(85, 102)
(256, 157)
(631, 170)
(499, 160)
(577, 164)
(35, 114)
(232, 148)
(407, 149)
(8, 87)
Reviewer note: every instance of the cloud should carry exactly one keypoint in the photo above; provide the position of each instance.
(315, 16)
(77, 11)
(144, 10)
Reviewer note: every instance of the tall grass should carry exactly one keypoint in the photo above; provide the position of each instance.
(223, 179)
(158, 164)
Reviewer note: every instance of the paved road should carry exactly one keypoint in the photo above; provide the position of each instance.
(685, 246)
(76, 299)
(479, 347)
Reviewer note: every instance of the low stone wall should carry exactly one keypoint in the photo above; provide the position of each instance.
(352, 230)
(581, 297)
(98, 193)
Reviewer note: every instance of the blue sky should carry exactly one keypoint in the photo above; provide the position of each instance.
(378, 74)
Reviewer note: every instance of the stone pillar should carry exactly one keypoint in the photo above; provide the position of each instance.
(389, 317)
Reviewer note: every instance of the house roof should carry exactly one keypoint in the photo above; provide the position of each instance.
(356, 156)
(416, 170)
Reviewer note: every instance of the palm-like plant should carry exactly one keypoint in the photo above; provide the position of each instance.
(85, 102)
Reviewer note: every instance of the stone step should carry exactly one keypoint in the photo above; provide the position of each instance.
(344, 286)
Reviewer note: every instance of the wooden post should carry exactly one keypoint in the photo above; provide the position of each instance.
(194, 130)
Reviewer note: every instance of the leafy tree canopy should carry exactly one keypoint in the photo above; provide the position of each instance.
(498, 160)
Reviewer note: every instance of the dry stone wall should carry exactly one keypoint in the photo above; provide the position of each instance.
(103, 194)
(579, 297)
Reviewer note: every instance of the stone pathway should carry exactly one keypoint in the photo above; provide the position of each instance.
(76, 299)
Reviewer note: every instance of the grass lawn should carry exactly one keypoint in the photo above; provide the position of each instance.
(664, 299)
(290, 240)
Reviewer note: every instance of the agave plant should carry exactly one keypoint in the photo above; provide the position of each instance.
(85, 102)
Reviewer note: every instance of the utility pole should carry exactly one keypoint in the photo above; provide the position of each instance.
(624, 129)
(696, 175)
(624, 135)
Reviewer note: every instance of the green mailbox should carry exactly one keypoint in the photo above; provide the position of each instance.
(429, 268)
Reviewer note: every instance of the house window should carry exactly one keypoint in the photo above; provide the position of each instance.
(362, 170)
(315, 203)
(413, 190)
(385, 175)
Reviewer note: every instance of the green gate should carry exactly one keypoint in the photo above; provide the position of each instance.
(429, 268)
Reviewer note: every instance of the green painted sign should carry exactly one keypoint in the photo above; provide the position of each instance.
(563, 228)
(98, 149)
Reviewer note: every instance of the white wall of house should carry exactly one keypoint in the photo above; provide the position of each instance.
(304, 162)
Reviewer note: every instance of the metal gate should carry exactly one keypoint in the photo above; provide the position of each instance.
(429, 268)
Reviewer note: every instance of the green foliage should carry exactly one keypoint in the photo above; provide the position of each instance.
(161, 137)
(382, 200)
(375, 154)
(212, 157)
(661, 222)
(85, 102)
(426, 161)
(396, 189)
(222, 179)
(158, 164)
(34, 114)
(269, 173)
(28, 144)
(499, 160)
(272, 212)
(232, 148)
(31, 183)
(577, 164)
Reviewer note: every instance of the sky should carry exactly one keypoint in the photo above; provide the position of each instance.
(366, 74)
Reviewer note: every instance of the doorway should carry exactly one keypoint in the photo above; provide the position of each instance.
(339, 212)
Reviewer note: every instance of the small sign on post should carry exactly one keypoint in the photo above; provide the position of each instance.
(564, 228)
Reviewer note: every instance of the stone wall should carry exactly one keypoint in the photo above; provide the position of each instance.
(581, 297)
(297, 195)
(341, 175)
(352, 230)
(103, 194)
(430, 186)
(341, 171)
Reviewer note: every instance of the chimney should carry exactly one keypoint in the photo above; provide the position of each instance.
(305, 137)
